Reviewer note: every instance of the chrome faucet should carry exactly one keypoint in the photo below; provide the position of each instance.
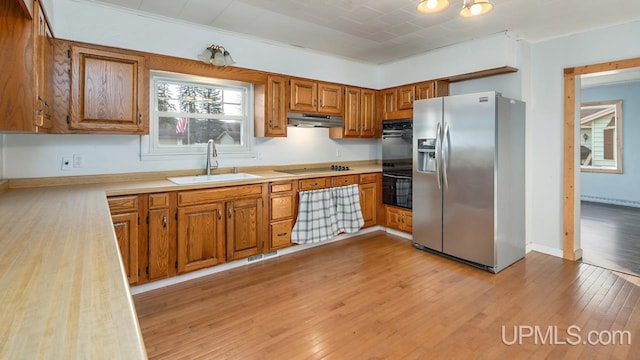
(211, 151)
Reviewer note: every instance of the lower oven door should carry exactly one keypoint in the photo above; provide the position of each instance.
(396, 190)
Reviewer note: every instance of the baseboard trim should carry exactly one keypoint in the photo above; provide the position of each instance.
(546, 250)
(399, 233)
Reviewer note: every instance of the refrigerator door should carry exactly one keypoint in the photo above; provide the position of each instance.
(427, 192)
(468, 196)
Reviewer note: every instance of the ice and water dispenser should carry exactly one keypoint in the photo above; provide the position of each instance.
(427, 155)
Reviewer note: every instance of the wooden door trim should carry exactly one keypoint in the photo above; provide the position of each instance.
(569, 194)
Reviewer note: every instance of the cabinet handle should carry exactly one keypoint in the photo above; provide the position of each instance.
(282, 234)
(314, 102)
(164, 221)
(321, 103)
(139, 118)
(345, 181)
(230, 212)
(219, 215)
(314, 184)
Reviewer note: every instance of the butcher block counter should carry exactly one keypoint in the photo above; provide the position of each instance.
(63, 290)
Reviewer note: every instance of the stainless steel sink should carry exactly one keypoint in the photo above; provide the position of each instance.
(199, 179)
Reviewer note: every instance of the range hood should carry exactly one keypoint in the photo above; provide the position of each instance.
(315, 120)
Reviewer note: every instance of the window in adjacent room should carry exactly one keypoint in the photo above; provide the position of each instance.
(601, 136)
(187, 111)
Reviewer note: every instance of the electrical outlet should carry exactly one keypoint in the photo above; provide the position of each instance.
(78, 161)
(338, 152)
(67, 163)
(259, 156)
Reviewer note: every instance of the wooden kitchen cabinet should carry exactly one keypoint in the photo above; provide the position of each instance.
(160, 254)
(359, 115)
(309, 96)
(219, 224)
(431, 89)
(125, 218)
(405, 94)
(276, 108)
(282, 212)
(201, 236)
(370, 186)
(25, 39)
(245, 233)
(108, 91)
(399, 219)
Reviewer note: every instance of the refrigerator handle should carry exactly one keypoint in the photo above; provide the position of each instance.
(445, 155)
(438, 153)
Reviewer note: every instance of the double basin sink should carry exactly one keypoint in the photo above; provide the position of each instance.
(200, 179)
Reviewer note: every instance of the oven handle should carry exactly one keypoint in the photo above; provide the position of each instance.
(397, 176)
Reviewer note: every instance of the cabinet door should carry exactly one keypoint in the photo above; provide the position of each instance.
(330, 98)
(352, 124)
(393, 218)
(276, 106)
(406, 94)
(43, 65)
(161, 234)
(304, 94)
(368, 114)
(388, 102)
(200, 236)
(407, 221)
(107, 91)
(425, 90)
(368, 203)
(244, 228)
(126, 229)
(16, 62)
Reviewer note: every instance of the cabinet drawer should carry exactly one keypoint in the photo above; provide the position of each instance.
(281, 187)
(158, 201)
(281, 206)
(122, 204)
(212, 195)
(344, 180)
(368, 178)
(313, 184)
(281, 234)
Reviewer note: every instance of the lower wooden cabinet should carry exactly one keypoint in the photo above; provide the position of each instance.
(125, 218)
(282, 213)
(245, 232)
(160, 252)
(201, 236)
(399, 219)
(370, 187)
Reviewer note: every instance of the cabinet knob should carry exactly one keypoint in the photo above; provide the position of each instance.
(139, 118)
(164, 221)
(230, 212)
(219, 215)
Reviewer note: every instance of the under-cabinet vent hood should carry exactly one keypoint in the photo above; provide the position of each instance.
(315, 120)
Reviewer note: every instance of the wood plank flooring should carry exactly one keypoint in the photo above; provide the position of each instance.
(376, 297)
(610, 236)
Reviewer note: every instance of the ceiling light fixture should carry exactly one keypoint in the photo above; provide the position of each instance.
(432, 6)
(470, 8)
(216, 55)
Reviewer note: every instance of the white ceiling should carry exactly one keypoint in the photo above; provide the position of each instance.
(381, 31)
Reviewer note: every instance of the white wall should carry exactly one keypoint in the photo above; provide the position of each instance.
(548, 60)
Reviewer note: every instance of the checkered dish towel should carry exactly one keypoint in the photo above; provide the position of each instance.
(323, 214)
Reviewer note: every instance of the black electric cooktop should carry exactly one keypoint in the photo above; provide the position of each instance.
(313, 170)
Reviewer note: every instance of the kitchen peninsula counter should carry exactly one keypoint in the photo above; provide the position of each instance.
(63, 289)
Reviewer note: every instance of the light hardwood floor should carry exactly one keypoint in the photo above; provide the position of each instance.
(377, 297)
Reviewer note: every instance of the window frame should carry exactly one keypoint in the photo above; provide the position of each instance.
(616, 105)
(149, 144)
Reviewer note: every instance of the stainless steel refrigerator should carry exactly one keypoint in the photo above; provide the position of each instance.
(468, 178)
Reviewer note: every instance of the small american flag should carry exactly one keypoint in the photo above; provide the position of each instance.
(181, 125)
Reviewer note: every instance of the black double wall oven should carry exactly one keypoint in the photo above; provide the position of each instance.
(397, 162)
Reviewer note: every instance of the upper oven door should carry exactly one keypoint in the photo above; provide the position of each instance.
(397, 155)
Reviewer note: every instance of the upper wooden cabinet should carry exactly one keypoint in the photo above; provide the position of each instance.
(275, 108)
(397, 103)
(108, 91)
(315, 97)
(26, 40)
(359, 115)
